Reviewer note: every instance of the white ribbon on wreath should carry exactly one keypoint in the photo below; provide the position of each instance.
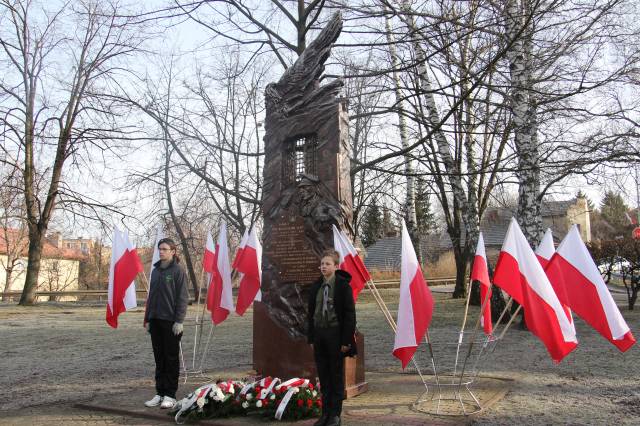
(293, 387)
(186, 403)
(266, 391)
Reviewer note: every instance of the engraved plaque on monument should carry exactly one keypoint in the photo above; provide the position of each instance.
(306, 189)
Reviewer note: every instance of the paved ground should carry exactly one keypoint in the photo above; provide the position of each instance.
(55, 356)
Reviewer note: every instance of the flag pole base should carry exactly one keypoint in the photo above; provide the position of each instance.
(448, 399)
(451, 394)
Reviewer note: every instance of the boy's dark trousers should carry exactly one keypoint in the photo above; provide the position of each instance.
(166, 351)
(330, 366)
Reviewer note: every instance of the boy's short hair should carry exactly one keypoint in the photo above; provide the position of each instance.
(333, 255)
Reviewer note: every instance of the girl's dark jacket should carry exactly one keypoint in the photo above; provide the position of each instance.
(345, 310)
(168, 293)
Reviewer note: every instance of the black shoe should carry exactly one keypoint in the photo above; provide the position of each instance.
(322, 421)
(333, 421)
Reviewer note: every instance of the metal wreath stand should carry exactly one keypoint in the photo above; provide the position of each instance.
(448, 392)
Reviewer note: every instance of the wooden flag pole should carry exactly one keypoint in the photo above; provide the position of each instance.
(387, 314)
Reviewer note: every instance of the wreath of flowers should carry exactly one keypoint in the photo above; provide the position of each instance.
(292, 399)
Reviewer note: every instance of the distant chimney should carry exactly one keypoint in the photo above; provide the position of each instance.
(55, 238)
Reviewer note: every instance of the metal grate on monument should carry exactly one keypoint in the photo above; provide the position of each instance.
(299, 158)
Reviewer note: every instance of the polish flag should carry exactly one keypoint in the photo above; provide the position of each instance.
(125, 265)
(219, 294)
(585, 292)
(544, 253)
(350, 262)
(545, 249)
(480, 273)
(416, 304)
(208, 260)
(520, 274)
(248, 262)
(239, 251)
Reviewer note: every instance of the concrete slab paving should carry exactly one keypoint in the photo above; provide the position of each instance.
(391, 400)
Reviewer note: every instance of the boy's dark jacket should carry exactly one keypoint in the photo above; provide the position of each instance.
(345, 310)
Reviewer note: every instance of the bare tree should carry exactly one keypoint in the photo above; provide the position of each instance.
(55, 62)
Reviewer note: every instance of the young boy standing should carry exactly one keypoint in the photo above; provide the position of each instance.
(331, 328)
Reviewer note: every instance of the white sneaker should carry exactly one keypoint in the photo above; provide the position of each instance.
(154, 402)
(168, 402)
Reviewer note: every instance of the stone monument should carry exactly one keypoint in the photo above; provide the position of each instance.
(306, 189)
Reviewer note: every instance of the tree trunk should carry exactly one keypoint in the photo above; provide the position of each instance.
(28, 296)
(7, 282)
(460, 289)
(410, 201)
(183, 240)
(525, 130)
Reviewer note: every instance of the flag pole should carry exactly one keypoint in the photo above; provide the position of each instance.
(504, 311)
(461, 333)
(387, 314)
(473, 338)
(195, 337)
(145, 282)
(206, 347)
(506, 327)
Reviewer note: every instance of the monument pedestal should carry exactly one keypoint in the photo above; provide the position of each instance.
(277, 354)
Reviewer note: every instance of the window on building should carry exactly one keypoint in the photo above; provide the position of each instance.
(299, 158)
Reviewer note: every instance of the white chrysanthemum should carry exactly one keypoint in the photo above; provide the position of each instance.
(259, 403)
(201, 401)
(314, 393)
(245, 405)
(249, 396)
(272, 397)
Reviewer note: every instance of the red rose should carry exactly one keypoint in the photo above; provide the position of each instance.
(319, 402)
(300, 403)
(265, 402)
(310, 386)
(309, 403)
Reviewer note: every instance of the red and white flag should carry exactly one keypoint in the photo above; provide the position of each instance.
(125, 265)
(519, 273)
(248, 262)
(416, 304)
(219, 294)
(155, 257)
(545, 249)
(584, 291)
(480, 273)
(350, 262)
(544, 253)
(239, 251)
(208, 259)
